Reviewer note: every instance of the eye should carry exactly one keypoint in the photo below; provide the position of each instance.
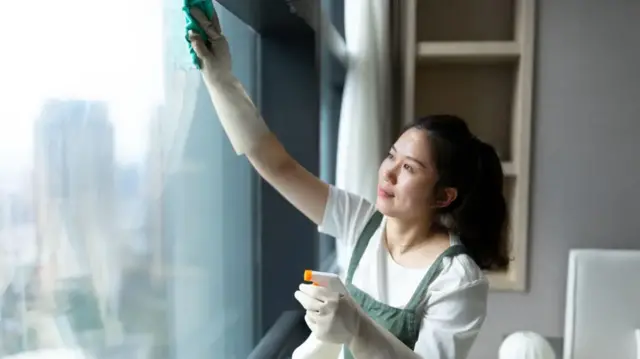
(408, 168)
(390, 156)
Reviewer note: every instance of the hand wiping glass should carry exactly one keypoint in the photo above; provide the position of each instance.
(205, 37)
(210, 52)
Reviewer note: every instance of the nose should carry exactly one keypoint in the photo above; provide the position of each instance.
(389, 175)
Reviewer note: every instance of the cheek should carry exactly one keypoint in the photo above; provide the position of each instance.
(412, 189)
(415, 190)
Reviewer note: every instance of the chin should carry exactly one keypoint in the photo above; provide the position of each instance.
(390, 209)
(385, 207)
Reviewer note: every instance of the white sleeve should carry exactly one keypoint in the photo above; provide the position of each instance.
(454, 315)
(345, 216)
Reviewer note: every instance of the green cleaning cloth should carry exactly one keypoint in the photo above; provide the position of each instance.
(206, 6)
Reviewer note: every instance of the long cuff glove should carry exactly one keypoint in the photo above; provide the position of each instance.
(375, 342)
(238, 115)
(338, 319)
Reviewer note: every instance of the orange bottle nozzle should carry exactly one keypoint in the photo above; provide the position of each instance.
(308, 276)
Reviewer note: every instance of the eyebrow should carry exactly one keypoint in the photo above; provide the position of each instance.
(409, 157)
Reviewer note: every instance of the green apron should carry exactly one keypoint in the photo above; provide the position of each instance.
(403, 323)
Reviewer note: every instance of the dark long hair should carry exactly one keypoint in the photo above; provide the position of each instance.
(479, 212)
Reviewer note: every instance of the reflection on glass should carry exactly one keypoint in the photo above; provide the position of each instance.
(112, 166)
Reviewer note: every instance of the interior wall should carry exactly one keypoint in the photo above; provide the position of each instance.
(586, 170)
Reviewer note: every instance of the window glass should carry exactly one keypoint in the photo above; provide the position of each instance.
(126, 220)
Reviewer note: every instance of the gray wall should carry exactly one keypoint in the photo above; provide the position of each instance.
(586, 169)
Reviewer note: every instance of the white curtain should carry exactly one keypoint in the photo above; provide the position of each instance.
(365, 113)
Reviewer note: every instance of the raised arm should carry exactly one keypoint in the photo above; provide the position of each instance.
(246, 129)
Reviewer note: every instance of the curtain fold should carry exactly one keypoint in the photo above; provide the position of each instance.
(366, 105)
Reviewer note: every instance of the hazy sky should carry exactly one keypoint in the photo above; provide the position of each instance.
(84, 49)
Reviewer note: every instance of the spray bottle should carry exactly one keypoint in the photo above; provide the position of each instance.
(325, 279)
(313, 348)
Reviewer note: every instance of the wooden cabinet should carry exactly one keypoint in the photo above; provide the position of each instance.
(474, 58)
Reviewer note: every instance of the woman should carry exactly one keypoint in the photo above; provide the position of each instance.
(415, 276)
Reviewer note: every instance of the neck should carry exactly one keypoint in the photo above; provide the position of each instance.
(406, 234)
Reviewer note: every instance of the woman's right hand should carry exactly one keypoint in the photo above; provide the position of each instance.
(213, 51)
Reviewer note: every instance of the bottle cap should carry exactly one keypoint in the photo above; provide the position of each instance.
(308, 274)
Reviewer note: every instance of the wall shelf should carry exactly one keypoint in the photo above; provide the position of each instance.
(475, 60)
(470, 51)
(509, 168)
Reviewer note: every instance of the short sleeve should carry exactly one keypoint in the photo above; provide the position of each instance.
(455, 311)
(345, 215)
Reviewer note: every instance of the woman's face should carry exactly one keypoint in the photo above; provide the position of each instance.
(407, 177)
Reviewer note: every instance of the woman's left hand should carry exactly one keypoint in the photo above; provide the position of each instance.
(332, 317)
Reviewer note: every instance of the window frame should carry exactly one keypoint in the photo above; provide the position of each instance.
(332, 79)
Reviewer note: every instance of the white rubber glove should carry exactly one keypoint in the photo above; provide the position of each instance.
(238, 115)
(314, 348)
(338, 319)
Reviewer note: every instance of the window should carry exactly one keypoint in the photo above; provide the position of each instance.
(332, 79)
(126, 219)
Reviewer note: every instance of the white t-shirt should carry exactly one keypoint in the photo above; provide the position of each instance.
(456, 303)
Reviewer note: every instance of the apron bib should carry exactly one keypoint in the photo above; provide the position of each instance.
(403, 323)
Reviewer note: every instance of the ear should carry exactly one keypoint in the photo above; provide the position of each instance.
(447, 196)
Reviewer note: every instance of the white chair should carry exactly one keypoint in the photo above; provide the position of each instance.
(602, 319)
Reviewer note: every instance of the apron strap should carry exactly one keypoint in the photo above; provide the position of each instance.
(432, 274)
(363, 240)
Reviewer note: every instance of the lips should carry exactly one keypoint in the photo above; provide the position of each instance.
(384, 193)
